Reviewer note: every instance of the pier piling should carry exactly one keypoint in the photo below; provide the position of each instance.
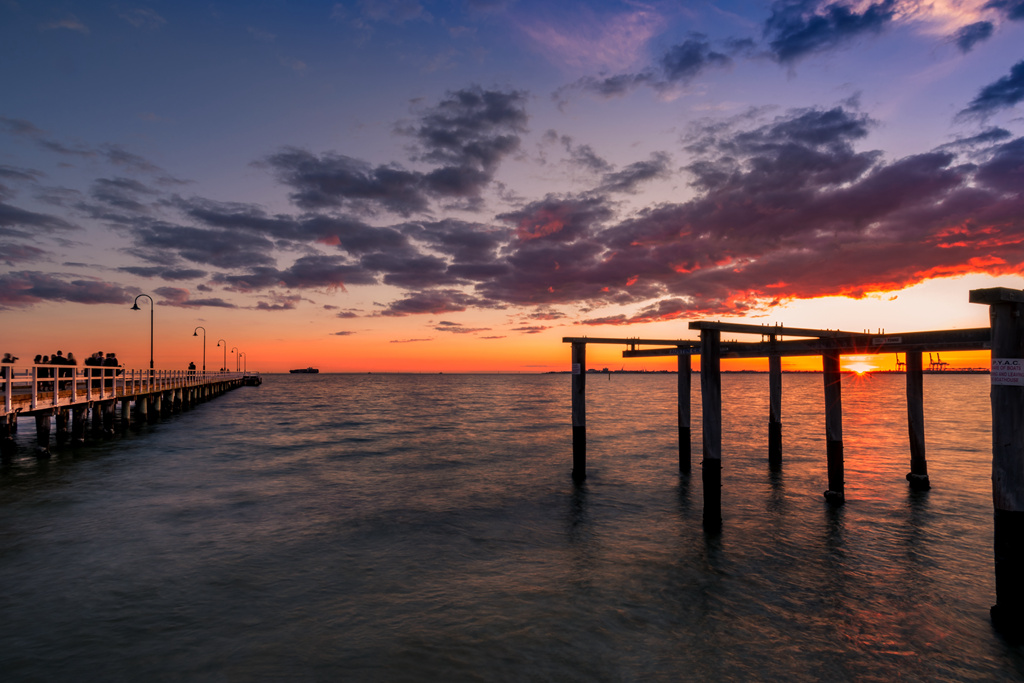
(711, 414)
(834, 428)
(579, 411)
(683, 387)
(918, 475)
(1006, 312)
(43, 433)
(774, 412)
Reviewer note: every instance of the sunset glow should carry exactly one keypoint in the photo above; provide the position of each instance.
(415, 187)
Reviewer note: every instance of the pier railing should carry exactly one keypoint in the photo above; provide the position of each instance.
(43, 386)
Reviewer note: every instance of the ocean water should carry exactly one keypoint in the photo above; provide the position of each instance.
(425, 528)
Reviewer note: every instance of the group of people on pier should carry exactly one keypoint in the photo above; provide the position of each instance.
(67, 363)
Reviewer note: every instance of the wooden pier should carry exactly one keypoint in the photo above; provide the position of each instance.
(1005, 338)
(69, 398)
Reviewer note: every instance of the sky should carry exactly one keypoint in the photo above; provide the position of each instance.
(405, 185)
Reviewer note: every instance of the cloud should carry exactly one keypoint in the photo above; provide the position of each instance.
(180, 298)
(11, 253)
(410, 341)
(156, 241)
(629, 179)
(467, 135)
(531, 329)
(309, 272)
(26, 288)
(796, 29)
(433, 301)
(343, 333)
(164, 273)
(458, 328)
(142, 17)
(1012, 9)
(70, 23)
(1003, 93)
(972, 34)
(683, 62)
(15, 222)
(588, 39)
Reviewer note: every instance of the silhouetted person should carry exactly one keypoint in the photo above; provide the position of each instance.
(110, 362)
(191, 369)
(8, 360)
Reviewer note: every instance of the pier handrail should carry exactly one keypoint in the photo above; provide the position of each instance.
(65, 385)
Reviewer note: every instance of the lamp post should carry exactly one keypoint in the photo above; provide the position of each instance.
(224, 367)
(194, 334)
(245, 363)
(135, 307)
(234, 350)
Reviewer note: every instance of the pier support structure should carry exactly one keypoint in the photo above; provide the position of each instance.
(774, 411)
(579, 411)
(918, 475)
(835, 494)
(683, 388)
(711, 418)
(1006, 312)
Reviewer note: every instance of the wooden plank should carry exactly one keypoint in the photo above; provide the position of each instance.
(769, 330)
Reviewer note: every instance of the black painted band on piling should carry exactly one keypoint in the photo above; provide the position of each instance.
(836, 493)
(579, 411)
(711, 419)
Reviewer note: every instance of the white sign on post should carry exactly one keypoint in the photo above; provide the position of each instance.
(575, 368)
(1008, 372)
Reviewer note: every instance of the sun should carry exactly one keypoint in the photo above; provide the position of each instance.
(859, 366)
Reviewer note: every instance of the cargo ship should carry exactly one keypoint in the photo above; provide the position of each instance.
(305, 371)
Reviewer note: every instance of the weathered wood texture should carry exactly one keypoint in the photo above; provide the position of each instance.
(918, 475)
(834, 427)
(683, 389)
(579, 411)
(711, 418)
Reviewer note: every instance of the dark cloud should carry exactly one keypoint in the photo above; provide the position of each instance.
(11, 253)
(122, 193)
(343, 333)
(158, 242)
(1012, 9)
(630, 178)
(26, 288)
(338, 181)
(279, 302)
(458, 328)
(466, 135)
(410, 341)
(972, 34)
(683, 62)
(801, 27)
(531, 329)
(15, 222)
(180, 298)
(433, 301)
(164, 273)
(1005, 92)
(308, 272)
(132, 162)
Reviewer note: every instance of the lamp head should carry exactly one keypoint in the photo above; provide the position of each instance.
(135, 306)
(194, 333)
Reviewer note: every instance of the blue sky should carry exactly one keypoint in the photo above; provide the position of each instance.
(407, 173)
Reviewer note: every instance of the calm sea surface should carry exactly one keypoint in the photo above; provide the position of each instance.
(425, 528)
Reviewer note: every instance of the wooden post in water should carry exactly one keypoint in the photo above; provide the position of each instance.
(7, 445)
(774, 411)
(579, 411)
(61, 415)
(834, 427)
(43, 433)
(683, 386)
(1006, 313)
(78, 425)
(126, 413)
(918, 475)
(711, 414)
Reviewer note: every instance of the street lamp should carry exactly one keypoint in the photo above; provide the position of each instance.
(245, 366)
(224, 367)
(135, 307)
(234, 350)
(194, 334)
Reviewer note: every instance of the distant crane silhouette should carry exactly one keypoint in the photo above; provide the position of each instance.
(900, 365)
(936, 365)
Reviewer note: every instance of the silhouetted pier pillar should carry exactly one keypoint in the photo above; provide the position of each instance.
(711, 416)
(108, 409)
(43, 433)
(61, 415)
(7, 430)
(579, 411)
(918, 475)
(1006, 313)
(683, 387)
(834, 427)
(78, 425)
(126, 413)
(774, 412)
